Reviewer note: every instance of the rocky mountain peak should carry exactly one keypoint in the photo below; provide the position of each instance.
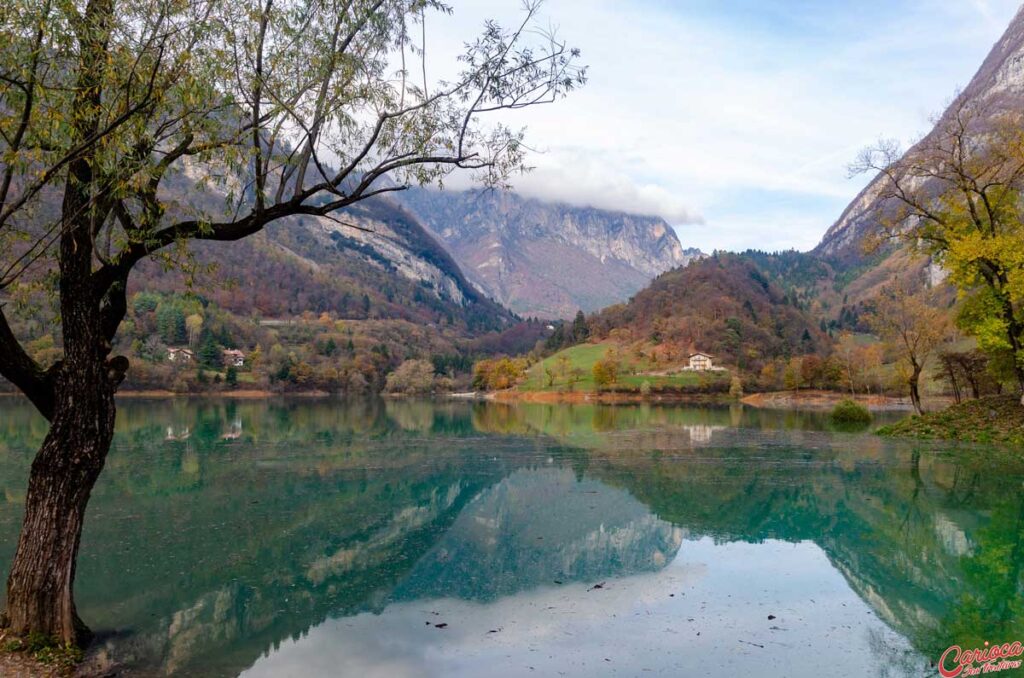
(548, 259)
(999, 79)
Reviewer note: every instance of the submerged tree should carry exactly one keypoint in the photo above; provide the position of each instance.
(130, 127)
(958, 195)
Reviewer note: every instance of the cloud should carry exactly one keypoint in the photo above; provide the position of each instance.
(578, 178)
(711, 111)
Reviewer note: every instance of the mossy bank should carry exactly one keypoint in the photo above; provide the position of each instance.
(999, 419)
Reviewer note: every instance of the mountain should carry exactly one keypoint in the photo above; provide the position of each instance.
(548, 259)
(330, 304)
(376, 261)
(1000, 79)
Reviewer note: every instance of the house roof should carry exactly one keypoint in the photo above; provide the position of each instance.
(706, 355)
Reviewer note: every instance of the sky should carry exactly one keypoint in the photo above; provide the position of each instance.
(735, 120)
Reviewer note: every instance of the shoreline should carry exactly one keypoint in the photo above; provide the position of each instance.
(824, 400)
(609, 398)
(813, 400)
(791, 400)
(240, 394)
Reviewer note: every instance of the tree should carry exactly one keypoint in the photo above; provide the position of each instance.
(574, 377)
(735, 387)
(210, 353)
(605, 372)
(912, 326)
(170, 323)
(846, 353)
(963, 370)
(580, 331)
(413, 377)
(957, 196)
(949, 371)
(104, 103)
(194, 325)
(792, 376)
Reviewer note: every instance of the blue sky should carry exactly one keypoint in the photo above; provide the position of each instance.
(736, 120)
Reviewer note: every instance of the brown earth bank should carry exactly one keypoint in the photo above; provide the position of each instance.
(20, 658)
(826, 400)
(603, 397)
(20, 665)
(240, 394)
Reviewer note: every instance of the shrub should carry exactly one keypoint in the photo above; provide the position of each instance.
(850, 412)
(413, 377)
(499, 373)
(645, 389)
(606, 372)
(736, 387)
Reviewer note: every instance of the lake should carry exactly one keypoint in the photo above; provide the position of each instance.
(406, 538)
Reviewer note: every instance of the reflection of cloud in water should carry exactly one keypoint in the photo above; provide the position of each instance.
(706, 613)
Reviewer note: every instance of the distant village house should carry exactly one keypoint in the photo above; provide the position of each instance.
(180, 355)
(233, 358)
(701, 362)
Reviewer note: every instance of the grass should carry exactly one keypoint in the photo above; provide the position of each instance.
(998, 419)
(50, 652)
(632, 374)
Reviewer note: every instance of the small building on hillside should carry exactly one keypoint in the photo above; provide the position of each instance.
(180, 355)
(233, 358)
(701, 362)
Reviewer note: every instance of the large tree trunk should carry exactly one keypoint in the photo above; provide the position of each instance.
(40, 588)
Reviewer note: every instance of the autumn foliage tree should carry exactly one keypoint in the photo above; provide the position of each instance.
(912, 325)
(256, 111)
(958, 196)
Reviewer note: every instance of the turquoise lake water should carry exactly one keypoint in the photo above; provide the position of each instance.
(406, 538)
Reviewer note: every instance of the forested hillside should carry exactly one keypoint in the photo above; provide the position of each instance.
(312, 304)
(727, 305)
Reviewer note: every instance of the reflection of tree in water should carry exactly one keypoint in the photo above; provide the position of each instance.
(990, 607)
(224, 547)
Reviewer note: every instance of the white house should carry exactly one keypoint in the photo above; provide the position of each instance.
(180, 355)
(233, 358)
(701, 362)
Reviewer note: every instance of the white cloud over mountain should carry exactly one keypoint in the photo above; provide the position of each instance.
(735, 120)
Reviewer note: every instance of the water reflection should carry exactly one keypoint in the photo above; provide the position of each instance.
(271, 536)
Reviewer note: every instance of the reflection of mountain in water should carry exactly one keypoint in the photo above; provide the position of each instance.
(539, 526)
(269, 519)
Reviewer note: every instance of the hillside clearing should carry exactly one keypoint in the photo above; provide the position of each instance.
(573, 369)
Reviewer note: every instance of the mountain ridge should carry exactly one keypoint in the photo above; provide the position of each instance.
(1001, 75)
(548, 259)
